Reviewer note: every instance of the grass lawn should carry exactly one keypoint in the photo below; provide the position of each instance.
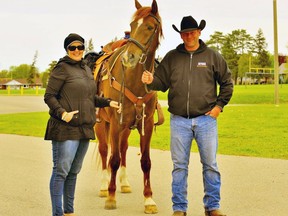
(252, 94)
(246, 127)
(12, 92)
(251, 130)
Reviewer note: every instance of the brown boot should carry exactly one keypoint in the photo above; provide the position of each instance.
(215, 212)
(179, 213)
(69, 214)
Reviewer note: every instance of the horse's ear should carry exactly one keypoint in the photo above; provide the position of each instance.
(137, 4)
(154, 9)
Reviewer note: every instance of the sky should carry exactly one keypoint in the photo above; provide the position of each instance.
(31, 26)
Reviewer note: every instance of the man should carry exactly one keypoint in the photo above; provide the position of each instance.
(191, 72)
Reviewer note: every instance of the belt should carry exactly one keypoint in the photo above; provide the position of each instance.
(190, 116)
(187, 117)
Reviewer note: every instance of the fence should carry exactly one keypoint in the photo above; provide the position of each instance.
(22, 91)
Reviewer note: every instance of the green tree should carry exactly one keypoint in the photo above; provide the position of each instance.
(230, 55)
(44, 79)
(47, 73)
(241, 41)
(243, 65)
(4, 74)
(216, 41)
(260, 48)
(33, 73)
(90, 46)
(19, 72)
(232, 46)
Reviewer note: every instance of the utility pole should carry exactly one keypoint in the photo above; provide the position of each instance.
(276, 63)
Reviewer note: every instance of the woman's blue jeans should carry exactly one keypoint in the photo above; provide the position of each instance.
(68, 157)
(204, 130)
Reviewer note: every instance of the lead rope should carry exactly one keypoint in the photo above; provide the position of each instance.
(145, 85)
(144, 105)
(122, 92)
(143, 116)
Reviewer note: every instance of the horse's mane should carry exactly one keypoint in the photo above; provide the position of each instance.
(144, 12)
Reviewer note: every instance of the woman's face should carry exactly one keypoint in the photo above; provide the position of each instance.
(75, 51)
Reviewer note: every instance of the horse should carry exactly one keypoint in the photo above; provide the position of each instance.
(120, 80)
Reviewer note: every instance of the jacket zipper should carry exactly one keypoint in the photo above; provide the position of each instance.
(189, 84)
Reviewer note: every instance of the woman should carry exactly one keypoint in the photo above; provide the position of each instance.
(71, 97)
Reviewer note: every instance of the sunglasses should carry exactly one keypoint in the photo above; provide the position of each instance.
(73, 48)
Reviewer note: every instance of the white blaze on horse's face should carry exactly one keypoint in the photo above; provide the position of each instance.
(131, 57)
(139, 23)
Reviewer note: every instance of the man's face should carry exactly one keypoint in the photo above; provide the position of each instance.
(191, 39)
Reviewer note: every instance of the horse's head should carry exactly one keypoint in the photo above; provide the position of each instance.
(146, 30)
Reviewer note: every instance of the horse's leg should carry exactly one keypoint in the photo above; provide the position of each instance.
(114, 163)
(149, 204)
(125, 186)
(102, 131)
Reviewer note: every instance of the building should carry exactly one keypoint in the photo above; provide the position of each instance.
(18, 83)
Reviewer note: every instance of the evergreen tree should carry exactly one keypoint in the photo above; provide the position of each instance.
(90, 46)
(262, 55)
(33, 70)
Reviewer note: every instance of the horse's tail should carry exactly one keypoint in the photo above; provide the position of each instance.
(96, 156)
(160, 115)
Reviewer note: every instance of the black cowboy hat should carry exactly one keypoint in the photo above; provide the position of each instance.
(188, 23)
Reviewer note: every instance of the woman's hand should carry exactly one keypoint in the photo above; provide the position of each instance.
(67, 116)
(116, 105)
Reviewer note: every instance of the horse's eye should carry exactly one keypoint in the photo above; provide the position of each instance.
(150, 28)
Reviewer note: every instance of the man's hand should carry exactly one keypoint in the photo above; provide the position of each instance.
(147, 77)
(214, 112)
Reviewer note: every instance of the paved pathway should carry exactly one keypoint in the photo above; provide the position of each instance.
(251, 186)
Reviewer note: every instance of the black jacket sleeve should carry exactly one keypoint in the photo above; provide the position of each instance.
(102, 101)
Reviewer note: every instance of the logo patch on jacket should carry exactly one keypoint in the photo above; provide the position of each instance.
(201, 64)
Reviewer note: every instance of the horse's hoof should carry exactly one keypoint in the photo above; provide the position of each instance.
(110, 204)
(103, 193)
(126, 189)
(151, 209)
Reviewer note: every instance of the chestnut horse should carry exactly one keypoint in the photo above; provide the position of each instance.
(120, 80)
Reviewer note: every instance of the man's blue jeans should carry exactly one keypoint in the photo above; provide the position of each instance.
(68, 157)
(204, 130)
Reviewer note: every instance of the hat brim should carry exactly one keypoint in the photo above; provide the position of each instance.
(201, 27)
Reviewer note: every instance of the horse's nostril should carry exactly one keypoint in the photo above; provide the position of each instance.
(131, 57)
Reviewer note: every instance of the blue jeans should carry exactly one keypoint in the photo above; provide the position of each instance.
(68, 157)
(204, 130)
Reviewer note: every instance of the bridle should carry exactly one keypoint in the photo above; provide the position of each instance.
(146, 47)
